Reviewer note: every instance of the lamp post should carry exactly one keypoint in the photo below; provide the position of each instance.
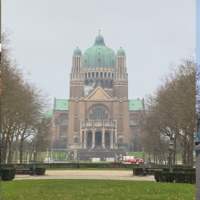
(171, 148)
(197, 100)
(197, 148)
(1, 143)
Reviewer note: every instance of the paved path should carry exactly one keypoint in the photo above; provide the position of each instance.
(88, 174)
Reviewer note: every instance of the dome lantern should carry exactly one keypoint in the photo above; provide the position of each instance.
(99, 40)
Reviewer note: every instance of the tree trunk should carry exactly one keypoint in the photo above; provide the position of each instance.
(184, 146)
(190, 151)
(10, 149)
(21, 145)
(10, 152)
(4, 150)
(21, 149)
(174, 152)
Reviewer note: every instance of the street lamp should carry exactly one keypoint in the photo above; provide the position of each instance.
(171, 148)
(197, 142)
(1, 143)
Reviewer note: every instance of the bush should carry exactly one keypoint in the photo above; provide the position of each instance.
(87, 165)
(176, 176)
(37, 171)
(7, 174)
(40, 171)
(185, 177)
(74, 165)
(139, 172)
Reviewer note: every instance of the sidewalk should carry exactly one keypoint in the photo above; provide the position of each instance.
(88, 174)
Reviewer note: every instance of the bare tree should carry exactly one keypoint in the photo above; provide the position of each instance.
(21, 108)
(172, 111)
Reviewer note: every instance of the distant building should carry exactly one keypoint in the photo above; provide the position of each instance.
(136, 114)
(60, 124)
(98, 115)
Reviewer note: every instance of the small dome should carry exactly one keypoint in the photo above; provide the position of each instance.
(121, 52)
(77, 52)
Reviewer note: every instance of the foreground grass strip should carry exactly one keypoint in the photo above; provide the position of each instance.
(93, 189)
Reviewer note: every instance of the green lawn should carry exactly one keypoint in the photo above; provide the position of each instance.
(94, 190)
(139, 154)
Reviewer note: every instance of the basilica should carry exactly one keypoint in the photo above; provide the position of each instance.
(98, 116)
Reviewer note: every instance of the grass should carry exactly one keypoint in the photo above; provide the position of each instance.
(94, 189)
(138, 154)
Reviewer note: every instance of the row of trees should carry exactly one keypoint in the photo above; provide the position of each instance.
(170, 117)
(21, 108)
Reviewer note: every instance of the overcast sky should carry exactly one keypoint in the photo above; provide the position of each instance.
(156, 34)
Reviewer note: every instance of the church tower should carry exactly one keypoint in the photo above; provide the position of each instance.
(121, 76)
(76, 79)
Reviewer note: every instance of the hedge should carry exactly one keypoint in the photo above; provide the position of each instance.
(175, 176)
(139, 172)
(73, 165)
(7, 174)
(37, 171)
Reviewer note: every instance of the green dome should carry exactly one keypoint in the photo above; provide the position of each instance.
(99, 55)
(77, 52)
(121, 52)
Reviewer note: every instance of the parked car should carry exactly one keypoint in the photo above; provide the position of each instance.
(132, 160)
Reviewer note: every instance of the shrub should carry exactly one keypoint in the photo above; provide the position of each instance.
(176, 176)
(40, 171)
(139, 172)
(185, 177)
(74, 165)
(7, 174)
(37, 171)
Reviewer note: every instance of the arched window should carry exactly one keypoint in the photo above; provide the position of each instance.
(98, 112)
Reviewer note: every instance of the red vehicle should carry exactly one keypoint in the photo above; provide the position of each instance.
(132, 160)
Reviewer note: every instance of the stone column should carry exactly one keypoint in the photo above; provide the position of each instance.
(81, 139)
(93, 139)
(103, 139)
(111, 140)
(114, 139)
(85, 140)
